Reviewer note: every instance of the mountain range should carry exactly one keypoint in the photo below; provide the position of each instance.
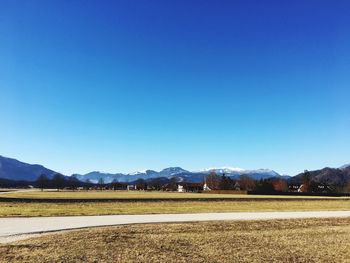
(179, 173)
(12, 169)
(15, 170)
(329, 176)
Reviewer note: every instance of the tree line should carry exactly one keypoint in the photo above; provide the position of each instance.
(245, 182)
(213, 182)
(59, 181)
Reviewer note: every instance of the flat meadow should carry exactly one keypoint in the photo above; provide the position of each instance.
(69, 203)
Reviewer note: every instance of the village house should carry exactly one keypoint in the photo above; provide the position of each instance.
(190, 187)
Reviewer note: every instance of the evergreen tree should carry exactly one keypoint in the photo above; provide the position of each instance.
(226, 183)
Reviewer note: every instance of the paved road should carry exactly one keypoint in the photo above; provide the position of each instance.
(9, 191)
(19, 228)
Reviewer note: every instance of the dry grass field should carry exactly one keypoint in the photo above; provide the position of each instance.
(108, 195)
(109, 208)
(142, 195)
(307, 240)
(159, 204)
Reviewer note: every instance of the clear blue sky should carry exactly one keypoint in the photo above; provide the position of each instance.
(128, 85)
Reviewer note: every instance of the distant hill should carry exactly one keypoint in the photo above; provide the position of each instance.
(330, 176)
(179, 173)
(345, 166)
(130, 177)
(6, 183)
(15, 170)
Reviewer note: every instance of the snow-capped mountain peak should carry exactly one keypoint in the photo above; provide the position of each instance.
(180, 174)
(224, 169)
(138, 172)
(172, 171)
(269, 172)
(345, 166)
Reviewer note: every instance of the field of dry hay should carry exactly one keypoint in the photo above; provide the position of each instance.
(10, 209)
(36, 194)
(306, 240)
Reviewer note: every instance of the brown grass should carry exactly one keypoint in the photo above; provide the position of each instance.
(306, 240)
(146, 195)
(8, 209)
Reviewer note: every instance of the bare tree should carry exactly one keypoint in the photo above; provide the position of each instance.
(114, 184)
(42, 181)
(306, 180)
(101, 183)
(141, 184)
(73, 182)
(87, 184)
(58, 181)
(173, 184)
(246, 183)
(213, 181)
(156, 184)
(347, 188)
